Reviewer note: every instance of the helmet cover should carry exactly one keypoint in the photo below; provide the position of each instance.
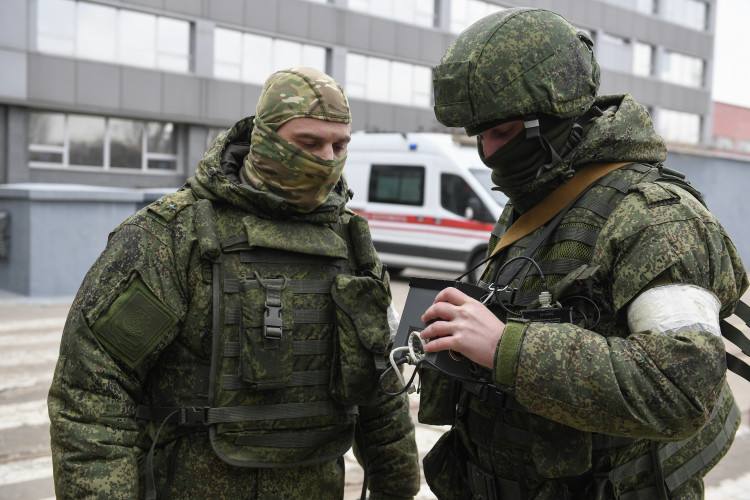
(512, 63)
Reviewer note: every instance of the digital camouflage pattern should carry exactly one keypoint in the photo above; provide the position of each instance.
(276, 165)
(158, 264)
(641, 227)
(515, 62)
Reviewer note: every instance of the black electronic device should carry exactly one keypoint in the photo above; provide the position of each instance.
(422, 293)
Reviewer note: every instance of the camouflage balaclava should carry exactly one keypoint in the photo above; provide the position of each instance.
(274, 164)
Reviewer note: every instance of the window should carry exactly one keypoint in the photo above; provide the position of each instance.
(103, 33)
(725, 143)
(397, 184)
(743, 147)
(682, 70)
(464, 13)
(457, 197)
(643, 59)
(689, 13)
(418, 12)
(645, 6)
(252, 58)
(679, 127)
(72, 140)
(377, 79)
(614, 52)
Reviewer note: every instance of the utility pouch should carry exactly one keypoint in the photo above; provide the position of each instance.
(442, 469)
(361, 337)
(439, 396)
(266, 327)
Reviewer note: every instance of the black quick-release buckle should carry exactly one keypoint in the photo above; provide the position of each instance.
(272, 322)
(492, 397)
(194, 415)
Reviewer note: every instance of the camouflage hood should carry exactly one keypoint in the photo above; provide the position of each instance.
(624, 132)
(217, 178)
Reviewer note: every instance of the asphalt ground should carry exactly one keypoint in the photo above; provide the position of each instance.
(29, 341)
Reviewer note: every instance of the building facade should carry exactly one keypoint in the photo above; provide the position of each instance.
(731, 129)
(128, 93)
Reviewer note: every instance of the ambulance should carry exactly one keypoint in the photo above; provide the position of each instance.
(427, 198)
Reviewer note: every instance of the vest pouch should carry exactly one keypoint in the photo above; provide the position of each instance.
(439, 396)
(266, 325)
(362, 334)
(443, 469)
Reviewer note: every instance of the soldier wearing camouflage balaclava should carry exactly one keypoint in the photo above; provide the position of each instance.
(597, 366)
(274, 164)
(232, 335)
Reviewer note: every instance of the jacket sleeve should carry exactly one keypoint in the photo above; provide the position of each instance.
(392, 461)
(98, 378)
(643, 384)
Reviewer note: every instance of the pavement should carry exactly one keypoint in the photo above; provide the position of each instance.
(30, 331)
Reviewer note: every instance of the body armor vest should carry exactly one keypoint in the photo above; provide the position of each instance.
(564, 258)
(288, 362)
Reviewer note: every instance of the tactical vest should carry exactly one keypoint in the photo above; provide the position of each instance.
(564, 259)
(299, 335)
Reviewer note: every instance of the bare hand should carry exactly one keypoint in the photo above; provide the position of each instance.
(463, 325)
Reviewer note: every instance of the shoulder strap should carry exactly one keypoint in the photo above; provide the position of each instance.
(558, 200)
(738, 338)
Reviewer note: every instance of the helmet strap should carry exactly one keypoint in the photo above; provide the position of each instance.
(531, 124)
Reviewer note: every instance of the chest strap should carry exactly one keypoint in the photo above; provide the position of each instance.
(194, 415)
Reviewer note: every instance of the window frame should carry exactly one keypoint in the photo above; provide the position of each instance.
(145, 154)
(380, 171)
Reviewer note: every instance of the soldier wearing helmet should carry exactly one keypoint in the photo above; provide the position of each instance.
(230, 338)
(598, 368)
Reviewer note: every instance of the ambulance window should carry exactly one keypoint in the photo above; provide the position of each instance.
(397, 184)
(457, 196)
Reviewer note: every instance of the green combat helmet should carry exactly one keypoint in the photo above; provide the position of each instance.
(512, 64)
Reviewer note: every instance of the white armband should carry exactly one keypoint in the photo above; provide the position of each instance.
(675, 308)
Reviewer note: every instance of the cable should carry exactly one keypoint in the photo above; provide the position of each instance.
(407, 386)
(412, 358)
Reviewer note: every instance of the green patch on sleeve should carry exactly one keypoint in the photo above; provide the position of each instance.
(134, 324)
(507, 353)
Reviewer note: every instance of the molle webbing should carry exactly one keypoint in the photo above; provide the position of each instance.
(689, 469)
(194, 415)
(601, 201)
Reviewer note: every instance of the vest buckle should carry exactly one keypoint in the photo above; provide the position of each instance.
(194, 415)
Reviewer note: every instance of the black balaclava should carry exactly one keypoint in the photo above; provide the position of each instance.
(525, 169)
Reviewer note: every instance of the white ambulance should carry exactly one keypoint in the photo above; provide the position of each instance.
(427, 197)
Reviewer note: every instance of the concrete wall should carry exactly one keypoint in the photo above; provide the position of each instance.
(57, 232)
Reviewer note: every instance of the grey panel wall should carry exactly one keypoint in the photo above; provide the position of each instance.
(56, 234)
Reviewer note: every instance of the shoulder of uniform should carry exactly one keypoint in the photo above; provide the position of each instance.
(656, 193)
(168, 206)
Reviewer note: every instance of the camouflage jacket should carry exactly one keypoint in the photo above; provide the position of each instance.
(636, 227)
(109, 366)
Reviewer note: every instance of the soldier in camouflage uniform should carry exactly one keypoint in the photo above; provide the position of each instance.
(626, 398)
(228, 341)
